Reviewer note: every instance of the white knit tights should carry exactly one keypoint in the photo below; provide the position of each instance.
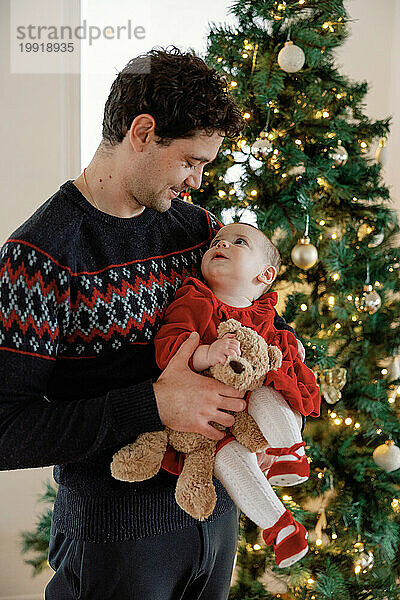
(279, 424)
(238, 471)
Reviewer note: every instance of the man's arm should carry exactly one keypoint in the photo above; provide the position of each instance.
(35, 431)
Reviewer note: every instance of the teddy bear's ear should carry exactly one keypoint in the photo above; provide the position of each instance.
(275, 357)
(229, 326)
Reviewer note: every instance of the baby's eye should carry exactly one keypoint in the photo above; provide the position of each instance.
(213, 243)
(241, 240)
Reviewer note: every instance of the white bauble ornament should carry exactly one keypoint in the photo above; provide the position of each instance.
(262, 148)
(304, 254)
(339, 155)
(366, 561)
(387, 457)
(376, 240)
(370, 300)
(291, 58)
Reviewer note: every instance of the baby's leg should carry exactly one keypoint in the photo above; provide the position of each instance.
(281, 426)
(238, 471)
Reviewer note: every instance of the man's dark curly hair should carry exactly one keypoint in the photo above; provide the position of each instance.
(179, 90)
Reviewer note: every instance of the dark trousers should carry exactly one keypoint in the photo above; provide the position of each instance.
(194, 563)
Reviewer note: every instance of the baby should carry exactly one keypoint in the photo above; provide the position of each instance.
(238, 270)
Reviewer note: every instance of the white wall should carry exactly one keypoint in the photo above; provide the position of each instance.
(40, 149)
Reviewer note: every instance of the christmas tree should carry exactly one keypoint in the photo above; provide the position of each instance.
(306, 169)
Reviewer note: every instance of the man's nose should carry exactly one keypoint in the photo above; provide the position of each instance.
(194, 179)
(222, 244)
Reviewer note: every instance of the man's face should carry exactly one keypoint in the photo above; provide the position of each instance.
(164, 171)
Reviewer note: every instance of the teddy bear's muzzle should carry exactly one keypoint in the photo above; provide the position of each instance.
(236, 367)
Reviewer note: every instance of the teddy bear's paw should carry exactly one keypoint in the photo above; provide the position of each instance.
(198, 501)
(140, 460)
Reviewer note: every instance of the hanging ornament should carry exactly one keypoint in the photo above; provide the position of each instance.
(291, 58)
(262, 147)
(393, 371)
(339, 155)
(365, 230)
(370, 301)
(365, 560)
(331, 381)
(187, 197)
(376, 240)
(381, 153)
(387, 456)
(304, 254)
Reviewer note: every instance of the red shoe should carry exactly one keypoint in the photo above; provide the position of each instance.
(288, 472)
(293, 547)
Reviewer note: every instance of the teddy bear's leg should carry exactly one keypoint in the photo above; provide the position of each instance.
(142, 459)
(248, 433)
(195, 491)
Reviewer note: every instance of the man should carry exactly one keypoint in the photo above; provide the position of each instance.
(83, 285)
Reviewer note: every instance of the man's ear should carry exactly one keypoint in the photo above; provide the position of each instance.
(141, 131)
(268, 275)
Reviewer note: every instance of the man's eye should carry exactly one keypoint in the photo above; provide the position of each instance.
(189, 166)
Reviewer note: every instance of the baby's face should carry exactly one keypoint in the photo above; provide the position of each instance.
(235, 258)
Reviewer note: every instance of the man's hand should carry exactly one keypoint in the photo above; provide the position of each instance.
(188, 401)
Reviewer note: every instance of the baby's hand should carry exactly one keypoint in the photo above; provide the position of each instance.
(226, 346)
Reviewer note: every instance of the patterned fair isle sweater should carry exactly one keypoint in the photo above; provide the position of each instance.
(82, 295)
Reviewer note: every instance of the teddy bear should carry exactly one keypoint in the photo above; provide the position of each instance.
(195, 492)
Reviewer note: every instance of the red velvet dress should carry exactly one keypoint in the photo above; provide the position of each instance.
(196, 308)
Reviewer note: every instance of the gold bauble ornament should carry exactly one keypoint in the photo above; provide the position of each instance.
(387, 456)
(339, 155)
(370, 301)
(331, 381)
(291, 58)
(304, 254)
(365, 230)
